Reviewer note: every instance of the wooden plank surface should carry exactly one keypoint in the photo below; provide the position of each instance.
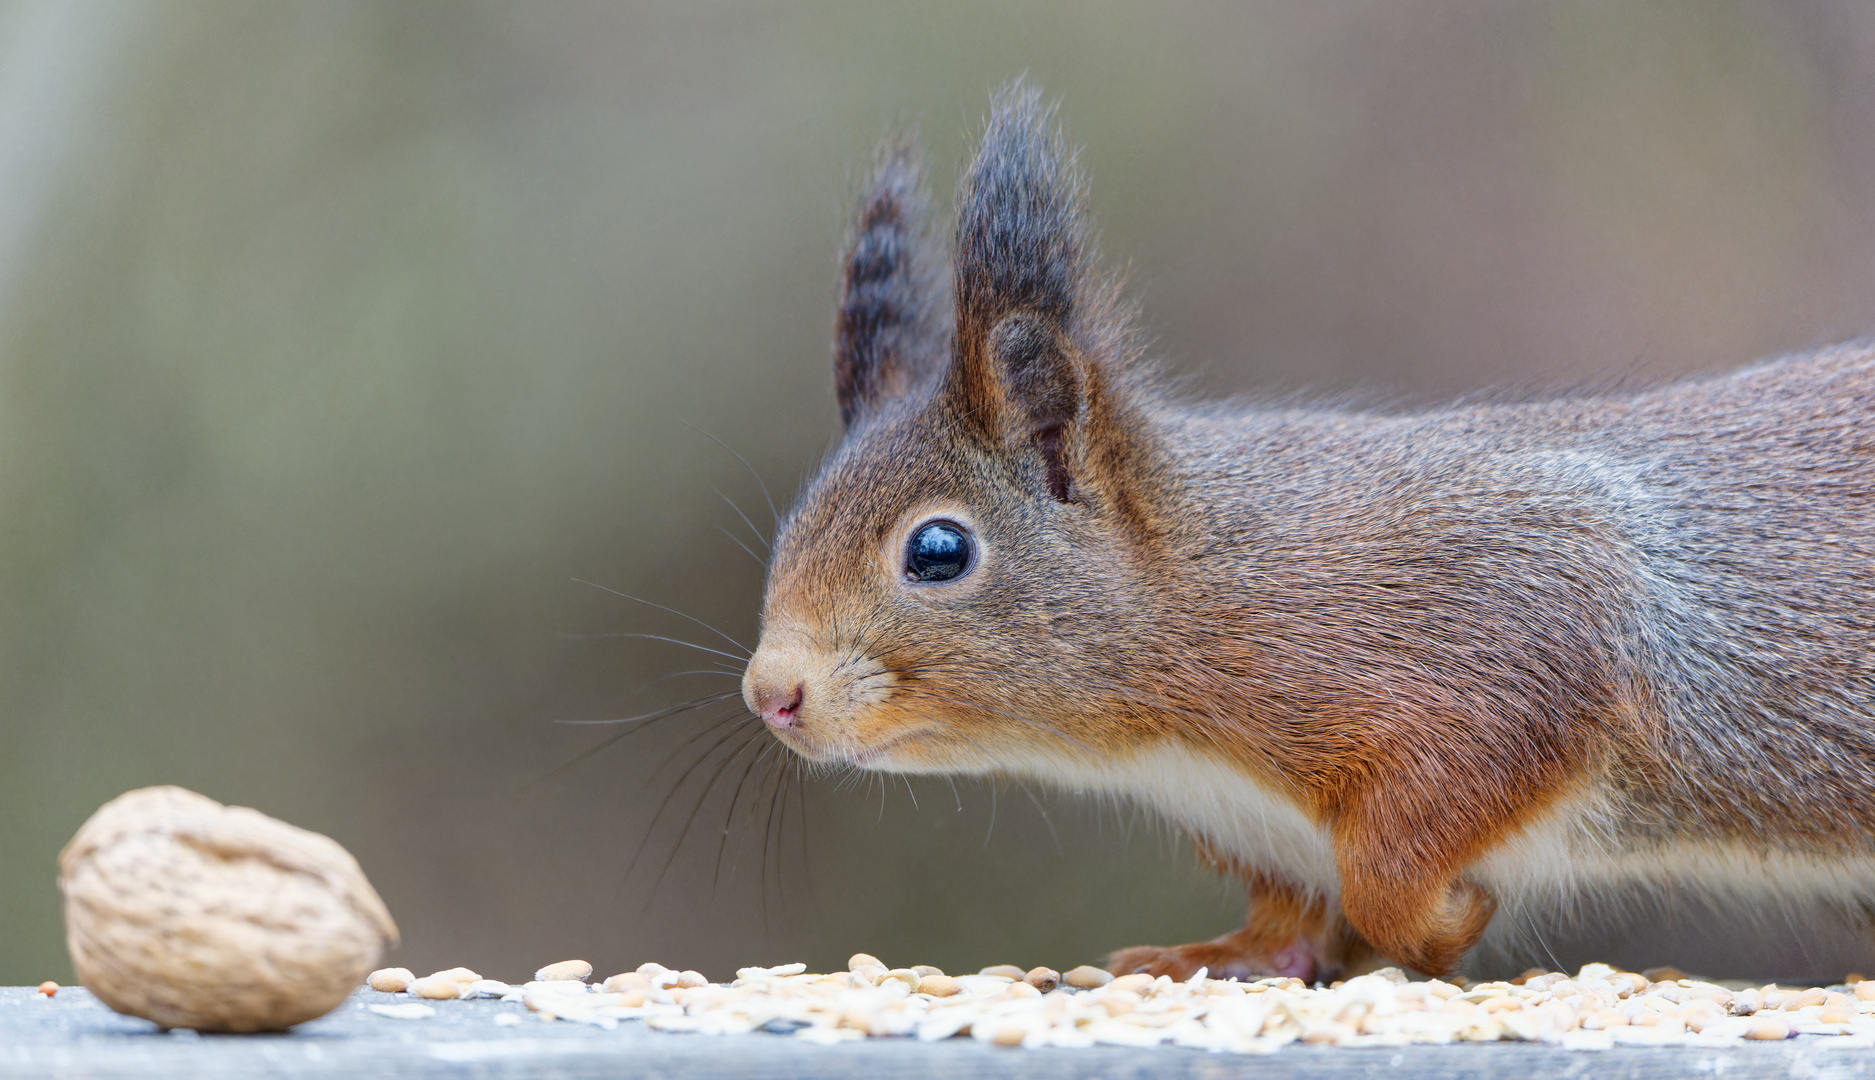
(73, 1036)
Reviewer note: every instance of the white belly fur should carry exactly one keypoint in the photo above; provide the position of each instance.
(1539, 876)
(1576, 850)
(1260, 827)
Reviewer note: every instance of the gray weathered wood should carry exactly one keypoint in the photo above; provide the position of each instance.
(72, 1036)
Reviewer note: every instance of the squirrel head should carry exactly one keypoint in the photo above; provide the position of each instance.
(948, 594)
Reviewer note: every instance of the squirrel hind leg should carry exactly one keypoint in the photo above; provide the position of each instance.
(1223, 958)
(1286, 933)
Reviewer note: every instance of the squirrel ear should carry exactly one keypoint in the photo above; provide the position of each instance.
(886, 336)
(1041, 381)
(1020, 273)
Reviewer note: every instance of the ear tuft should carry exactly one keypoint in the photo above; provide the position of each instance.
(887, 337)
(1022, 278)
(1019, 244)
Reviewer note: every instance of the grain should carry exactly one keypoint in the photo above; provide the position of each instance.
(938, 986)
(390, 980)
(456, 974)
(437, 988)
(565, 969)
(1663, 974)
(1767, 1030)
(1813, 996)
(630, 980)
(1596, 1008)
(1138, 982)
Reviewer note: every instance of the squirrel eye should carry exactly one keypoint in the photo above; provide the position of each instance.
(938, 552)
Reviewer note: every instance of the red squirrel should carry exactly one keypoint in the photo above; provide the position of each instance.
(1398, 672)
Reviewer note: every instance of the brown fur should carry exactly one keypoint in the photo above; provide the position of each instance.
(1426, 631)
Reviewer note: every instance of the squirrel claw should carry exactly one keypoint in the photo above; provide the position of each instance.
(1222, 960)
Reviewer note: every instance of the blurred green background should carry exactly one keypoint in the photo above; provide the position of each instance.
(338, 340)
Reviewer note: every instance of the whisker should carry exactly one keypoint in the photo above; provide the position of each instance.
(1046, 820)
(660, 637)
(729, 816)
(559, 772)
(767, 840)
(990, 830)
(767, 788)
(735, 728)
(801, 793)
(745, 464)
(779, 754)
(746, 651)
(695, 703)
(736, 540)
(766, 546)
(702, 797)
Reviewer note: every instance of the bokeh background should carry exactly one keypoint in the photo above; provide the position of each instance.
(340, 343)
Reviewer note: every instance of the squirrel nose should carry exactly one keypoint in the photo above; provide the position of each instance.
(778, 707)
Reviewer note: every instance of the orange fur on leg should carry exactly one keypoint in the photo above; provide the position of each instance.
(1287, 931)
(1400, 887)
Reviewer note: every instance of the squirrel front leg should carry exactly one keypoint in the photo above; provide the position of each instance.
(1400, 857)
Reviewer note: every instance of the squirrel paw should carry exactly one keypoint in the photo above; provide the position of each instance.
(1453, 928)
(1223, 959)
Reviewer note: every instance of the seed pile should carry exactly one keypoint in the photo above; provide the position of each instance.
(1598, 1007)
